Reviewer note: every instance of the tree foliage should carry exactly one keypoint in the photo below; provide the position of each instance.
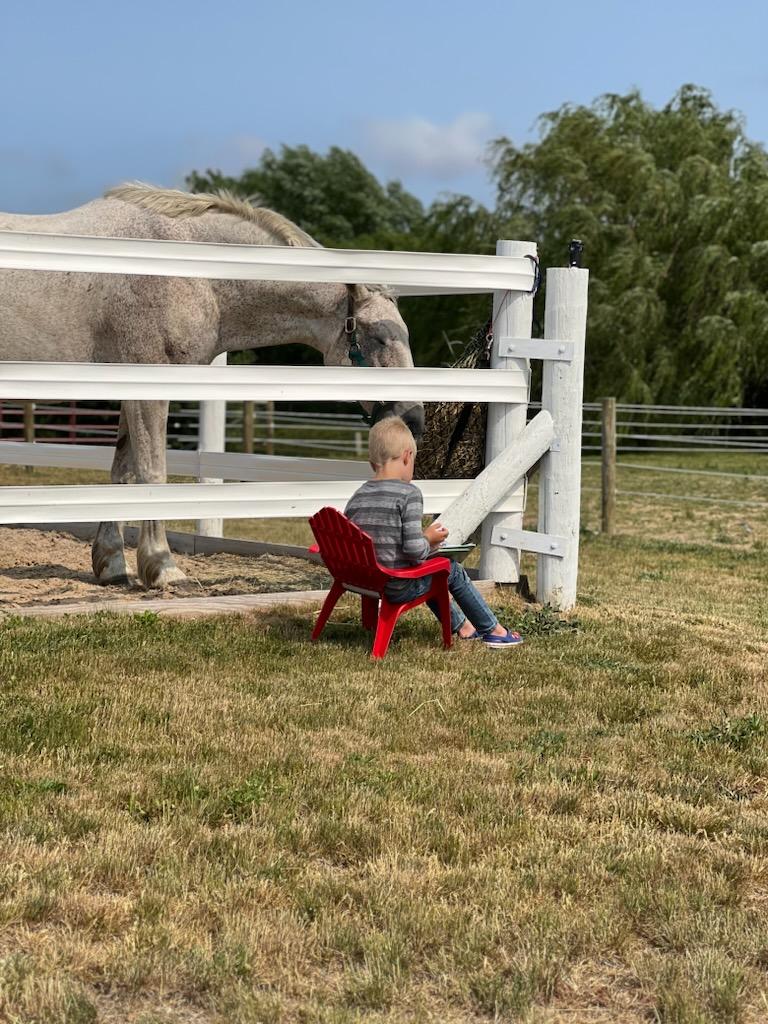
(672, 206)
(340, 203)
(333, 196)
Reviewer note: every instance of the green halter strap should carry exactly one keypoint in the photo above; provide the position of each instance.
(355, 353)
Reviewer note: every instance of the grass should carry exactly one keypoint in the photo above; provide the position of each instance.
(210, 821)
(681, 516)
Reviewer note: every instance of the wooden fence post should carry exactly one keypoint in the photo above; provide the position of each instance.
(29, 426)
(609, 466)
(248, 428)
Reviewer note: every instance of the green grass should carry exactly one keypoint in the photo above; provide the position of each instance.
(212, 821)
(679, 515)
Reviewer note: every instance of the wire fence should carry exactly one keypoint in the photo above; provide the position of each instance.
(670, 428)
(83, 423)
(673, 470)
(640, 430)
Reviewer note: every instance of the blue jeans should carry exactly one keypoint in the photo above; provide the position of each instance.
(467, 603)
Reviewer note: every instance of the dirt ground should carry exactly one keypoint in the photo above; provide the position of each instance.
(40, 567)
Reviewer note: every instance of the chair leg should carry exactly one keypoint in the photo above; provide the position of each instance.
(388, 616)
(370, 612)
(444, 604)
(325, 612)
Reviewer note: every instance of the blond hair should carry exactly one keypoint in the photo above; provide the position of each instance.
(388, 439)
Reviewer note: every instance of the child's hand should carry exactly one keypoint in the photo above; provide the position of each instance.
(435, 534)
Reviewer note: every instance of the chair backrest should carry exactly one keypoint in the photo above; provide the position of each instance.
(347, 551)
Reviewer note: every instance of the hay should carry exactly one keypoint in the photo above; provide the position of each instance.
(453, 445)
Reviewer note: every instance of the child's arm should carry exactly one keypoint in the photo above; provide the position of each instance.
(416, 546)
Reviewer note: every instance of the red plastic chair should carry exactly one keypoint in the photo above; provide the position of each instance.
(350, 557)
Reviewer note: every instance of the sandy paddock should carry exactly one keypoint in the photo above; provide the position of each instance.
(40, 567)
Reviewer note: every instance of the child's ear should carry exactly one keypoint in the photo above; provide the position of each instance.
(407, 457)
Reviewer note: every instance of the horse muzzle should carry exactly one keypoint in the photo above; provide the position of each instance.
(412, 414)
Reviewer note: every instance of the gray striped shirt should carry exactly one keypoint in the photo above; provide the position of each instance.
(390, 512)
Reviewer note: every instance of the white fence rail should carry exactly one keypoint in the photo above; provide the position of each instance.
(137, 381)
(227, 465)
(410, 273)
(265, 500)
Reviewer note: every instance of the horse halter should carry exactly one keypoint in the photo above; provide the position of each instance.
(355, 353)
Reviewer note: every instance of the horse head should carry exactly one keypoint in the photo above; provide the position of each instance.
(375, 334)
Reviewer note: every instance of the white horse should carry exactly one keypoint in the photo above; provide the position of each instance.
(82, 317)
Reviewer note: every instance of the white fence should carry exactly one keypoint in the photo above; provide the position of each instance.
(510, 277)
(410, 273)
(258, 383)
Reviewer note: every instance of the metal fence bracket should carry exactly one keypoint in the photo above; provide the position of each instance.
(530, 540)
(536, 348)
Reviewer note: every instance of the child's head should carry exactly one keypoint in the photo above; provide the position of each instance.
(392, 448)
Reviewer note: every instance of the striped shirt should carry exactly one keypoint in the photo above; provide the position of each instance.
(390, 512)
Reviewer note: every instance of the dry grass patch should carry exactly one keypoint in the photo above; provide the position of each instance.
(214, 821)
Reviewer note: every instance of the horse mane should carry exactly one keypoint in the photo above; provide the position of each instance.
(173, 202)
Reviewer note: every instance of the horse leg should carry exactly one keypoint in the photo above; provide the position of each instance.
(147, 425)
(107, 551)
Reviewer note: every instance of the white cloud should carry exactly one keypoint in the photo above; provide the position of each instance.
(248, 149)
(416, 145)
(230, 155)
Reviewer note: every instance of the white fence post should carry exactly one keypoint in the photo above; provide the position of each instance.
(560, 475)
(212, 437)
(512, 318)
(487, 490)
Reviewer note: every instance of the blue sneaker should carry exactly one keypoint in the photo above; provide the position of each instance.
(510, 639)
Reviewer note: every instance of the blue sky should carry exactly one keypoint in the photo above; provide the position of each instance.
(95, 93)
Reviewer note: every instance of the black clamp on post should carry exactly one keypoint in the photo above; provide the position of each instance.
(575, 250)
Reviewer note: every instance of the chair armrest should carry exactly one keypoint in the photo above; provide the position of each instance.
(425, 569)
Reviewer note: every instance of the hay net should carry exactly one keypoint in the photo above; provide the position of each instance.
(453, 445)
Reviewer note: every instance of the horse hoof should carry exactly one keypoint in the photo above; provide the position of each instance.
(110, 568)
(164, 576)
(119, 580)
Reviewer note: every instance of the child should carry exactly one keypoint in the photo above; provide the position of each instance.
(389, 509)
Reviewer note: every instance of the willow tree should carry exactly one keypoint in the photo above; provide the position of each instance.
(672, 205)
